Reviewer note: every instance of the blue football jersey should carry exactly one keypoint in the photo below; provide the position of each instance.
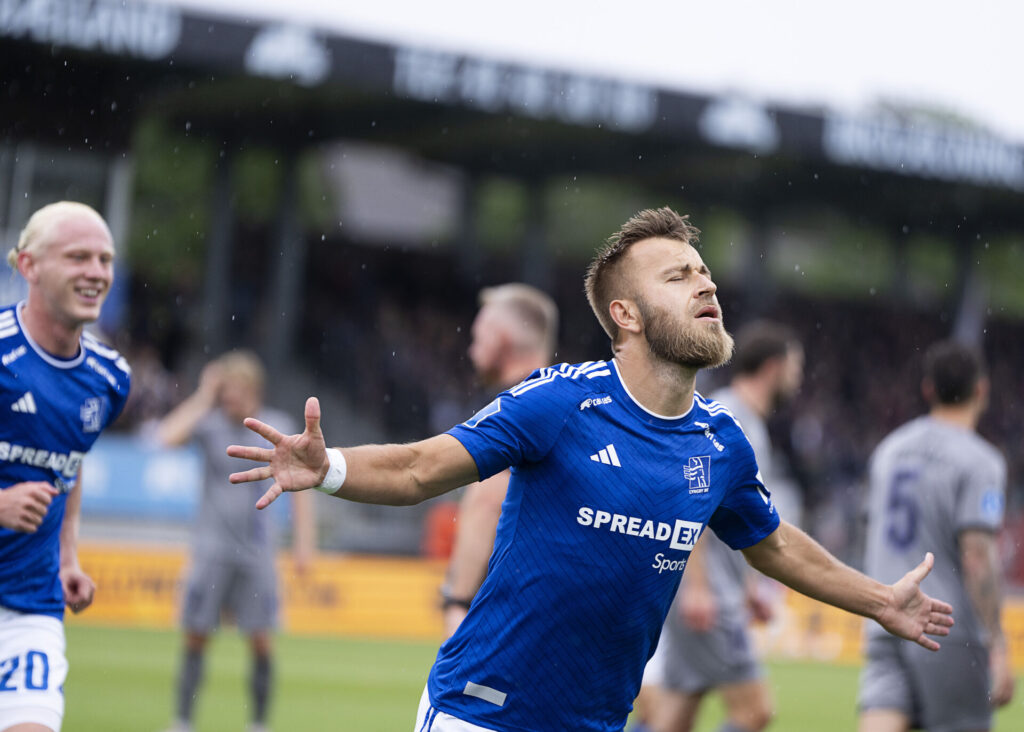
(605, 503)
(53, 411)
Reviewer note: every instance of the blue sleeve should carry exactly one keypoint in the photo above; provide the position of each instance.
(746, 514)
(519, 426)
(119, 399)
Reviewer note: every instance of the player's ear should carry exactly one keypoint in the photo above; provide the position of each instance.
(626, 315)
(773, 368)
(981, 392)
(27, 267)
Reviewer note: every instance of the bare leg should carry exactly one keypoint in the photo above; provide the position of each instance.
(674, 711)
(748, 705)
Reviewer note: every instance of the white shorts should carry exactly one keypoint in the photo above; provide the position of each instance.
(33, 669)
(429, 719)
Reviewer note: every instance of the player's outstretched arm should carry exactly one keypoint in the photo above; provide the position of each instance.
(385, 474)
(177, 426)
(795, 559)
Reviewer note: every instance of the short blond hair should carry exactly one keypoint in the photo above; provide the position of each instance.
(534, 312)
(37, 232)
(243, 365)
(604, 281)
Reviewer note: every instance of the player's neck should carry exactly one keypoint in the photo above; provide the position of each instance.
(964, 415)
(56, 338)
(659, 386)
(515, 370)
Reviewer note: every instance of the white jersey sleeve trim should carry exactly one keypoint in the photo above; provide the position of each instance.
(563, 371)
(714, 408)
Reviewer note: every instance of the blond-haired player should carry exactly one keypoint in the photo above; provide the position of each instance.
(59, 388)
(513, 334)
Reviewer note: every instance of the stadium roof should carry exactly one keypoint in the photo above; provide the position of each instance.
(81, 72)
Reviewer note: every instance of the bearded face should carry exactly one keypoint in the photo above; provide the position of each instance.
(686, 340)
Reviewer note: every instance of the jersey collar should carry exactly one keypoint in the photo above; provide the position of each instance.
(669, 421)
(60, 363)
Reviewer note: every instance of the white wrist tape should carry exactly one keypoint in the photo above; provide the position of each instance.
(335, 473)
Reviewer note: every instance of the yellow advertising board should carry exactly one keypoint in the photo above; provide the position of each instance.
(139, 586)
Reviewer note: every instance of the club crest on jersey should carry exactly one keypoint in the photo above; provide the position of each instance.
(992, 505)
(92, 414)
(698, 472)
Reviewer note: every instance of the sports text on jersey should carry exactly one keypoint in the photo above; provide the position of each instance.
(663, 564)
(67, 464)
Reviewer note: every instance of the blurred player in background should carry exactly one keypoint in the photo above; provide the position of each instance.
(233, 552)
(513, 335)
(61, 387)
(705, 645)
(935, 483)
(612, 483)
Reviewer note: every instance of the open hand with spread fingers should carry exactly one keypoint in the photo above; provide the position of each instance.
(295, 462)
(912, 614)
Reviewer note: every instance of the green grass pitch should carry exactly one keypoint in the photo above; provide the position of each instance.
(121, 681)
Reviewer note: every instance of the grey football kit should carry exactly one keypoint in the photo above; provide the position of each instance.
(929, 481)
(233, 544)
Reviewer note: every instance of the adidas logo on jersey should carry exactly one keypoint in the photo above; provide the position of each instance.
(26, 404)
(607, 456)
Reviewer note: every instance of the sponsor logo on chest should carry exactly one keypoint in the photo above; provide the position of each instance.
(680, 535)
(65, 464)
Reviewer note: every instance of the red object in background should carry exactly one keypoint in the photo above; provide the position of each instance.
(1011, 548)
(439, 530)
